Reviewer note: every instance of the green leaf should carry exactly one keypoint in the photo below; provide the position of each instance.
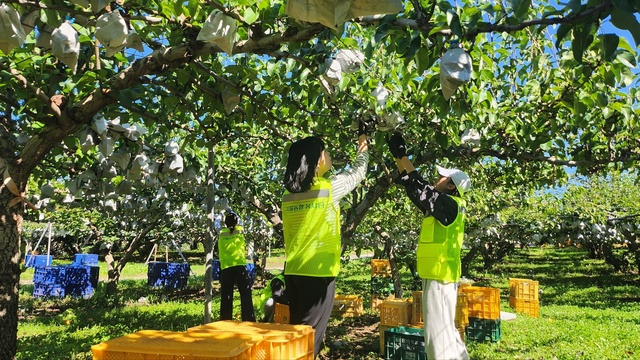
(562, 32)
(381, 32)
(522, 9)
(623, 5)
(609, 45)
(250, 16)
(575, 5)
(424, 60)
(626, 58)
(454, 23)
(626, 21)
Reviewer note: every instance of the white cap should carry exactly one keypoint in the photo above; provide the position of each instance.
(460, 179)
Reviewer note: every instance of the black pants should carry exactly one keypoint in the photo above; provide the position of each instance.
(230, 277)
(310, 303)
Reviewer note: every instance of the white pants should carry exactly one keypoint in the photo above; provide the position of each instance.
(442, 340)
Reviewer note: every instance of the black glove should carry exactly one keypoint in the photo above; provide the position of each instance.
(397, 146)
(366, 126)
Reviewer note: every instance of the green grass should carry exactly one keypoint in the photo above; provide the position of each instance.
(587, 312)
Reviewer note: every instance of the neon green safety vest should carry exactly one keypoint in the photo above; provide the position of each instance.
(231, 248)
(439, 247)
(311, 226)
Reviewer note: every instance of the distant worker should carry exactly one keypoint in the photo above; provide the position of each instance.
(274, 293)
(311, 227)
(233, 270)
(438, 253)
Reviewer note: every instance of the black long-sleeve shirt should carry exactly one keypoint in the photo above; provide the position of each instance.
(429, 200)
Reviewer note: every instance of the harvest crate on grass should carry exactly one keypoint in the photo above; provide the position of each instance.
(401, 343)
(347, 306)
(528, 307)
(168, 345)
(279, 341)
(376, 300)
(37, 260)
(483, 302)
(483, 330)
(394, 312)
(524, 289)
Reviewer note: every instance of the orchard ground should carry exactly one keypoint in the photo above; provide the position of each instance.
(586, 311)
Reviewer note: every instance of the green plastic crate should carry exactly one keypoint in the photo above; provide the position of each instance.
(404, 343)
(483, 330)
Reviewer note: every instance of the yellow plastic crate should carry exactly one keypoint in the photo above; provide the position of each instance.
(169, 345)
(376, 300)
(483, 302)
(281, 314)
(394, 312)
(461, 332)
(524, 289)
(347, 306)
(380, 267)
(416, 316)
(280, 341)
(462, 311)
(529, 307)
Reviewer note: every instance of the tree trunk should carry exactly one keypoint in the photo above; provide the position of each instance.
(388, 250)
(208, 241)
(10, 227)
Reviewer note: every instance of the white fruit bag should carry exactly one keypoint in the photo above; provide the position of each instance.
(112, 31)
(134, 41)
(455, 70)
(470, 137)
(13, 34)
(330, 13)
(219, 29)
(65, 45)
(334, 71)
(230, 99)
(381, 94)
(350, 60)
(374, 7)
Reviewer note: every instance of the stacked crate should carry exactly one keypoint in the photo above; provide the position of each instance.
(416, 314)
(37, 260)
(48, 281)
(483, 304)
(523, 296)
(85, 259)
(381, 282)
(279, 341)
(462, 314)
(171, 276)
(63, 280)
(347, 306)
(395, 313)
(81, 280)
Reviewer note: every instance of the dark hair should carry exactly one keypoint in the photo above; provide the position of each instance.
(301, 164)
(231, 220)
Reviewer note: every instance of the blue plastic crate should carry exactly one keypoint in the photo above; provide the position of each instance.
(404, 343)
(251, 270)
(86, 259)
(42, 290)
(85, 290)
(171, 276)
(38, 260)
(49, 275)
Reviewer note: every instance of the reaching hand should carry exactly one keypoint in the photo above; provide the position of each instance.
(366, 126)
(397, 146)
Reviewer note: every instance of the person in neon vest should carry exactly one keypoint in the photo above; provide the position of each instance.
(311, 227)
(233, 270)
(439, 247)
